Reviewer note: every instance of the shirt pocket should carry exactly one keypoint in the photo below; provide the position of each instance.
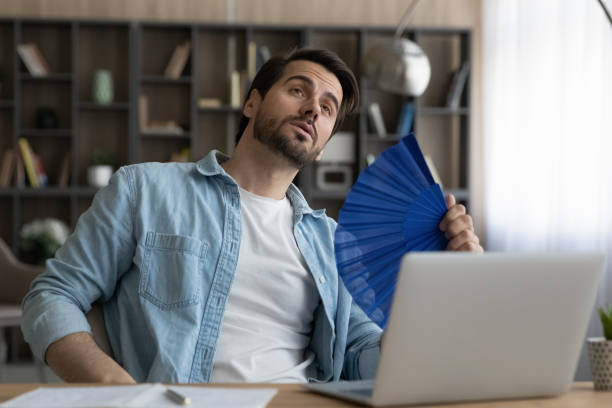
(171, 270)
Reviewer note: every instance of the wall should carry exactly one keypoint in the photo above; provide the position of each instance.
(456, 13)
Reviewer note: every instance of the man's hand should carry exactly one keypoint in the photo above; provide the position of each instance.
(459, 228)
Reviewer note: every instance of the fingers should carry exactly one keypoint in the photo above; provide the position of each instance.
(454, 212)
(461, 223)
(450, 200)
(465, 241)
(458, 228)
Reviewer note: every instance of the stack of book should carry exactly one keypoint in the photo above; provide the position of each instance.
(155, 127)
(23, 164)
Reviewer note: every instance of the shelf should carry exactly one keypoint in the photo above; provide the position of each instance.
(6, 104)
(221, 109)
(137, 53)
(169, 135)
(441, 110)
(46, 132)
(87, 105)
(84, 191)
(7, 191)
(51, 191)
(40, 191)
(461, 194)
(162, 80)
(46, 78)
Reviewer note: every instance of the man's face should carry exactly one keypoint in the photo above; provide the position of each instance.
(297, 115)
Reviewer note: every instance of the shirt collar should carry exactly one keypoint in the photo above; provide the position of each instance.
(210, 165)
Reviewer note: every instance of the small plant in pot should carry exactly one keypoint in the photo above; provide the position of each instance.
(40, 239)
(101, 168)
(600, 353)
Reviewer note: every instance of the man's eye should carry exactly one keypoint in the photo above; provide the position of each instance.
(297, 91)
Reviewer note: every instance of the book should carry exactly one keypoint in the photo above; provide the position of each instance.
(40, 59)
(457, 85)
(181, 157)
(33, 59)
(8, 167)
(41, 174)
(64, 171)
(143, 112)
(19, 172)
(209, 103)
(257, 55)
(376, 119)
(155, 127)
(163, 127)
(433, 170)
(28, 162)
(252, 60)
(29, 60)
(178, 60)
(406, 117)
(239, 83)
(263, 55)
(370, 159)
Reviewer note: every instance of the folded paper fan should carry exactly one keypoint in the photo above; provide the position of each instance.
(394, 207)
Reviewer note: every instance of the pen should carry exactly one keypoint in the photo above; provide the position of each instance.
(178, 398)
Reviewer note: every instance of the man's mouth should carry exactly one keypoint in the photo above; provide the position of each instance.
(303, 128)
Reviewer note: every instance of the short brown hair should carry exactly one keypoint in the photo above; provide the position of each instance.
(274, 68)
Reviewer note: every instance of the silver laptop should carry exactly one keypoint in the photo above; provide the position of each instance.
(480, 327)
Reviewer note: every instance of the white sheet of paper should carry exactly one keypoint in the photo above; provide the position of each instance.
(145, 395)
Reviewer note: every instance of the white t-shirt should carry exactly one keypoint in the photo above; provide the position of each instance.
(269, 313)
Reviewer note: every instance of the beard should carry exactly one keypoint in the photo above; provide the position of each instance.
(267, 130)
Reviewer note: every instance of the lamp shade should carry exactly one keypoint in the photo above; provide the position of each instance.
(398, 65)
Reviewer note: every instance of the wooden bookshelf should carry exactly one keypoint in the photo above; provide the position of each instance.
(137, 53)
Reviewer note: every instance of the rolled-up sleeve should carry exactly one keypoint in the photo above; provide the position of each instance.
(85, 269)
(363, 346)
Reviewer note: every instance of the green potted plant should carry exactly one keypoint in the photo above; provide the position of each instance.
(600, 352)
(101, 168)
(40, 239)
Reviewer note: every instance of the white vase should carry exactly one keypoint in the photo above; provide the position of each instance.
(600, 357)
(99, 176)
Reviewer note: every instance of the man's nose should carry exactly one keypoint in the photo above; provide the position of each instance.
(311, 109)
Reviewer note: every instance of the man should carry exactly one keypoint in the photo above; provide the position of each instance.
(219, 270)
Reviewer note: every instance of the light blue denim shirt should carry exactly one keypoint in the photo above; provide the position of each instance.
(159, 247)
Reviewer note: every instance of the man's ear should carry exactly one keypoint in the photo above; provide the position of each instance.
(252, 104)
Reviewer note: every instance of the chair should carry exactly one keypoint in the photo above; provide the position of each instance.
(16, 277)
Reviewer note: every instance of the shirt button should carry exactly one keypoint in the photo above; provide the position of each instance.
(321, 279)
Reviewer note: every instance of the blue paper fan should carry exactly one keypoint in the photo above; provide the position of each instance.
(394, 207)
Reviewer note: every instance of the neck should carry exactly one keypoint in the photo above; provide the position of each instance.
(259, 170)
